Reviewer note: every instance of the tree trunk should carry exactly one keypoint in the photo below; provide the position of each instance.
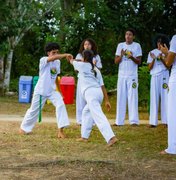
(1, 76)
(8, 71)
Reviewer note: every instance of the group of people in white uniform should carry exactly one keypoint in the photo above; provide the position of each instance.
(91, 89)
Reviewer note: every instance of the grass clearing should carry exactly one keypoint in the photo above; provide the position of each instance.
(42, 156)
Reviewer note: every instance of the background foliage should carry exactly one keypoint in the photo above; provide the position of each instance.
(69, 22)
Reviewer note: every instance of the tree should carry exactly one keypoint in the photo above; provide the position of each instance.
(18, 18)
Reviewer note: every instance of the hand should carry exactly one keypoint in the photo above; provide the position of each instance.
(164, 49)
(128, 54)
(94, 61)
(69, 57)
(152, 55)
(108, 105)
(122, 53)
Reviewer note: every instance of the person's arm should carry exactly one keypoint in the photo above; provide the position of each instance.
(150, 65)
(170, 56)
(163, 60)
(107, 103)
(136, 60)
(119, 54)
(57, 83)
(118, 59)
(151, 60)
(59, 56)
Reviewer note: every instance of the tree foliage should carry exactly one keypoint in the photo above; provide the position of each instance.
(69, 22)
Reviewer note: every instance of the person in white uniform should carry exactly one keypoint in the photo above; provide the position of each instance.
(171, 110)
(128, 57)
(80, 102)
(159, 82)
(45, 88)
(92, 90)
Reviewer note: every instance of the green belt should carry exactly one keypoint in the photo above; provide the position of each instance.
(40, 110)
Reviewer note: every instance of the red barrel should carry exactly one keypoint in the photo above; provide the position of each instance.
(67, 87)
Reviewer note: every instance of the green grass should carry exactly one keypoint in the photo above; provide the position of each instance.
(43, 156)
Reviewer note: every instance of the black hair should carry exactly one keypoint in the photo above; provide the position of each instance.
(51, 46)
(163, 39)
(131, 30)
(88, 56)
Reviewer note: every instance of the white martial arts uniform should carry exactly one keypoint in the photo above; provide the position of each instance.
(80, 102)
(158, 88)
(127, 85)
(45, 88)
(90, 87)
(172, 104)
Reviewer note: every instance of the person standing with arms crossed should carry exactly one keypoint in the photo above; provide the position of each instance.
(128, 57)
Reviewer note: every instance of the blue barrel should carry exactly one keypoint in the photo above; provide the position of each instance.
(25, 89)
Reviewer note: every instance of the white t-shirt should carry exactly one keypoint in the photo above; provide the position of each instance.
(127, 68)
(158, 66)
(87, 77)
(97, 59)
(48, 72)
(173, 49)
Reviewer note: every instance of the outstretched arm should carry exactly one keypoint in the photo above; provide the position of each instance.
(59, 56)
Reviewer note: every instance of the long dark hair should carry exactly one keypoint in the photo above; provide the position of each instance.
(93, 44)
(88, 56)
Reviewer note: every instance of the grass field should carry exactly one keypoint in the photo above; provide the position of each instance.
(42, 156)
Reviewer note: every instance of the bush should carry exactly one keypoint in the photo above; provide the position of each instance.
(14, 85)
(110, 81)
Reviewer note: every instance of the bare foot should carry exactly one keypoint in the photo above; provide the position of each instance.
(82, 140)
(61, 135)
(163, 152)
(22, 132)
(112, 141)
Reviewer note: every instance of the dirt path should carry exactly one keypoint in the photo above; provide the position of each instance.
(19, 118)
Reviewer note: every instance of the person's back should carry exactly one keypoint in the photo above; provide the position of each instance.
(87, 76)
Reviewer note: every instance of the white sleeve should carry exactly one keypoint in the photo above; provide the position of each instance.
(173, 44)
(149, 59)
(76, 65)
(100, 78)
(79, 56)
(98, 61)
(43, 62)
(139, 51)
(118, 50)
(58, 66)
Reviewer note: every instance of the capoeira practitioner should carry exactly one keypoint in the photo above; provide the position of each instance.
(128, 56)
(92, 89)
(49, 68)
(88, 44)
(159, 83)
(171, 112)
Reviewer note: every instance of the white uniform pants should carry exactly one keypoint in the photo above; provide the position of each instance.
(92, 112)
(158, 90)
(127, 90)
(171, 119)
(32, 113)
(80, 103)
